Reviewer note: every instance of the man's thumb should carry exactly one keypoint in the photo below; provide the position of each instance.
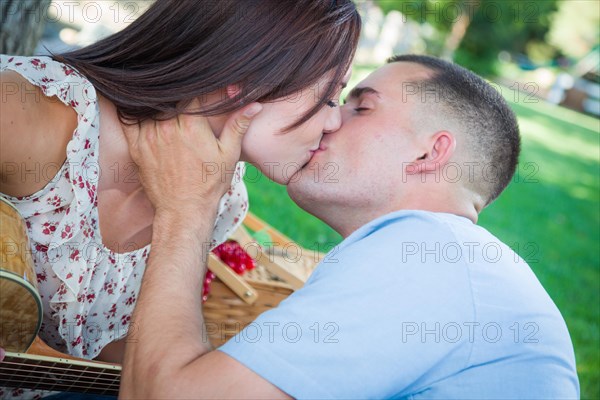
(2, 353)
(238, 124)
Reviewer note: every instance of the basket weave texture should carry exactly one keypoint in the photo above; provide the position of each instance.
(226, 314)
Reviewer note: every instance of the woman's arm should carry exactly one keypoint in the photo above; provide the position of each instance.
(34, 132)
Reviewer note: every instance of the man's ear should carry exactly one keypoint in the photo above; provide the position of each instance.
(443, 145)
(233, 90)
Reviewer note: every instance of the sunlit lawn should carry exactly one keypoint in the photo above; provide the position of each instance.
(550, 215)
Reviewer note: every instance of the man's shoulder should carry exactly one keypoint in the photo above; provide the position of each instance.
(404, 246)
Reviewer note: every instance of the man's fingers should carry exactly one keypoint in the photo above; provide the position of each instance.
(237, 125)
(132, 133)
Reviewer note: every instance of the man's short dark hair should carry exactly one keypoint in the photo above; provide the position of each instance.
(491, 126)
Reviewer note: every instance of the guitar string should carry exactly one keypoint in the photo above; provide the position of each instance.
(53, 366)
(18, 380)
(63, 371)
(6, 371)
(106, 381)
(40, 385)
(38, 376)
(24, 384)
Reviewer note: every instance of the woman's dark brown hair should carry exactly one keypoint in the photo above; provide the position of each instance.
(179, 50)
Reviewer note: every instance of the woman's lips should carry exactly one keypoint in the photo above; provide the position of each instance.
(317, 151)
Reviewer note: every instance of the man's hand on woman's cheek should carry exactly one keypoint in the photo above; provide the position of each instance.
(181, 160)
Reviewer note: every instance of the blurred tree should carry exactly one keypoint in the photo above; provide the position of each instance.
(575, 27)
(477, 30)
(518, 27)
(22, 25)
(451, 17)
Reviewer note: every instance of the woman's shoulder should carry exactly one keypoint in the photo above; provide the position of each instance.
(34, 128)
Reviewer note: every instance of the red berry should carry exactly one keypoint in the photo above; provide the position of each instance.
(232, 254)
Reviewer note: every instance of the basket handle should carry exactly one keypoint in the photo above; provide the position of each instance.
(232, 280)
(243, 238)
(256, 224)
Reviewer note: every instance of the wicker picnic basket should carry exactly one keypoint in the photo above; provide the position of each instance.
(235, 301)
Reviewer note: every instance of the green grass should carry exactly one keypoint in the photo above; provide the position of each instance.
(549, 214)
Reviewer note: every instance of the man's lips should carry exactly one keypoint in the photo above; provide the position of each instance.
(316, 151)
(320, 148)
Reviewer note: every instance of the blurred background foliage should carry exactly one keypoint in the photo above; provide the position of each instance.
(474, 33)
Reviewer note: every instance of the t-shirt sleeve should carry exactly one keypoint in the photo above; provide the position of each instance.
(357, 328)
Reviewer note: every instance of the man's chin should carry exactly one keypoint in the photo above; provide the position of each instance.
(303, 190)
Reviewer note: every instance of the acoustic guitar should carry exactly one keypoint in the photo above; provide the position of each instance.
(29, 362)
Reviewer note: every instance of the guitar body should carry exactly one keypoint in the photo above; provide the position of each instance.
(29, 362)
(20, 303)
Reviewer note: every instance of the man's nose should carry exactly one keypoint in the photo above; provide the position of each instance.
(333, 121)
(345, 112)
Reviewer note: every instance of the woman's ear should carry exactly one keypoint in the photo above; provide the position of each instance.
(441, 150)
(233, 90)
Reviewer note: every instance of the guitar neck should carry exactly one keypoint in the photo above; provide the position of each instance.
(29, 371)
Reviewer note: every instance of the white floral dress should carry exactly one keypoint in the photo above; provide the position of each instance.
(88, 291)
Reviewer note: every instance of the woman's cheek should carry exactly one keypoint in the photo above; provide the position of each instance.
(252, 141)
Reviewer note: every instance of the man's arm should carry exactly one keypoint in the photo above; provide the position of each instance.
(168, 354)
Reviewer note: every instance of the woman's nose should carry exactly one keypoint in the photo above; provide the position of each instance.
(333, 121)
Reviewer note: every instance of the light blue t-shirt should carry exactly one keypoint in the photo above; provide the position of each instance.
(420, 305)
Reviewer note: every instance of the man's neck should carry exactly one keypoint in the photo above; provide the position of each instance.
(346, 220)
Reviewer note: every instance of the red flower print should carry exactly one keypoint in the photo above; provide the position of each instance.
(41, 277)
(112, 312)
(49, 227)
(75, 256)
(68, 71)
(54, 201)
(41, 247)
(130, 300)
(109, 287)
(38, 64)
(67, 232)
(77, 342)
